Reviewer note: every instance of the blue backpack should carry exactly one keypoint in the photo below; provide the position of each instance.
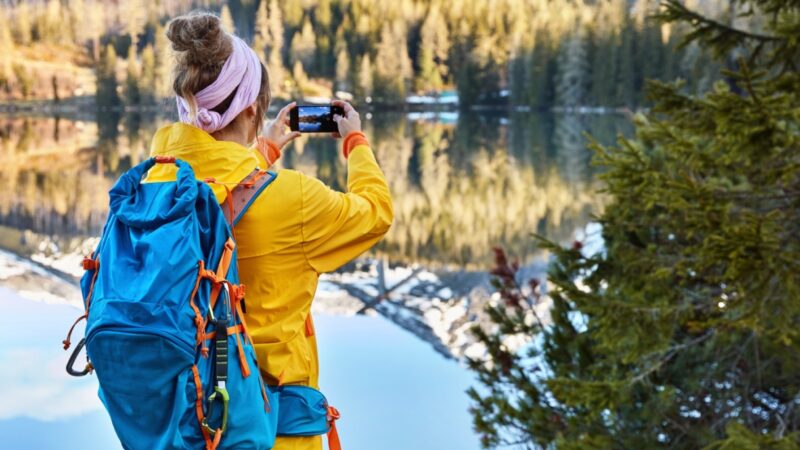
(165, 333)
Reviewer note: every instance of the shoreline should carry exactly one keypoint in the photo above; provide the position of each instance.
(86, 105)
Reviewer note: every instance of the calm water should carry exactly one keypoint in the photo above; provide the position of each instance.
(461, 185)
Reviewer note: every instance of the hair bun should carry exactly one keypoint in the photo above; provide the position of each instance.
(199, 40)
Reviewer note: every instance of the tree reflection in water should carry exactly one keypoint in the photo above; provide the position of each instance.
(461, 184)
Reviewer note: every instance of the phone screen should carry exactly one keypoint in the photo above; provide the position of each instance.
(315, 119)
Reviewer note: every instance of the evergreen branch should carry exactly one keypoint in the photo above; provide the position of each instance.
(669, 355)
(678, 12)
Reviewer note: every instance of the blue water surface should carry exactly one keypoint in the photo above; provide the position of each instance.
(393, 391)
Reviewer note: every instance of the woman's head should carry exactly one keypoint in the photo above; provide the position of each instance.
(219, 81)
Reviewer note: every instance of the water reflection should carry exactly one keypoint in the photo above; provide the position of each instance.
(461, 183)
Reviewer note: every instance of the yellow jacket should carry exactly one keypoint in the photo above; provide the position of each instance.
(296, 229)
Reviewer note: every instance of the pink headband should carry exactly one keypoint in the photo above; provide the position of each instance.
(242, 69)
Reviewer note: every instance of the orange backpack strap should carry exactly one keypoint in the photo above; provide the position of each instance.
(243, 195)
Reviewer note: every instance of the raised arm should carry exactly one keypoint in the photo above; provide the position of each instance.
(338, 226)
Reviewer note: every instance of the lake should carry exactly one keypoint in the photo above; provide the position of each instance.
(462, 184)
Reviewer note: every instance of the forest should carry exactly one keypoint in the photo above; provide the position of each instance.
(525, 54)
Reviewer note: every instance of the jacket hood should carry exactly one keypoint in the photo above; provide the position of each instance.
(225, 161)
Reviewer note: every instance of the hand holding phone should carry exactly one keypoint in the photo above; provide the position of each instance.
(275, 130)
(348, 122)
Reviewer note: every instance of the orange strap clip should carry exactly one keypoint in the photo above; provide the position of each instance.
(89, 264)
(333, 435)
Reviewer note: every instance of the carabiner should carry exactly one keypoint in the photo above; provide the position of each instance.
(220, 394)
(71, 362)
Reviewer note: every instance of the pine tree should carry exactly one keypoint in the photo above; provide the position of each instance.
(681, 332)
(573, 72)
(277, 70)
(261, 33)
(518, 75)
(323, 16)
(479, 63)
(6, 48)
(324, 50)
(227, 19)
(434, 46)
(24, 80)
(76, 18)
(364, 82)
(132, 87)
(300, 77)
(106, 73)
(392, 65)
(303, 45)
(135, 17)
(293, 14)
(93, 21)
(49, 25)
(649, 46)
(605, 43)
(148, 81)
(342, 68)
(22, 24)
(626, 80)
(162, 63)
(541, 72)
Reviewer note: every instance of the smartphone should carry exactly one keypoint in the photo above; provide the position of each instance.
(314, 118)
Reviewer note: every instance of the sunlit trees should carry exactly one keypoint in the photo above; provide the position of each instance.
(518, 53)
(93, 22)
(434, 46)
(226, 19)
(293, 14)
(268, 43)
(135, 17)
(342, 79)
(478, 57)
(364, 81)
(261, 35)
(49, 25)
(274, 57)
(6, 47)
(303, 45)
(392, 65)
(23, 79)
(22, 23)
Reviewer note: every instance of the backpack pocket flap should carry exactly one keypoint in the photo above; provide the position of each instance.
(303, 411)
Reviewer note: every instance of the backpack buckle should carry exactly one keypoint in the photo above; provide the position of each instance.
(164, 159)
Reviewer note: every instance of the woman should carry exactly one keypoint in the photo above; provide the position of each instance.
(298, 227)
